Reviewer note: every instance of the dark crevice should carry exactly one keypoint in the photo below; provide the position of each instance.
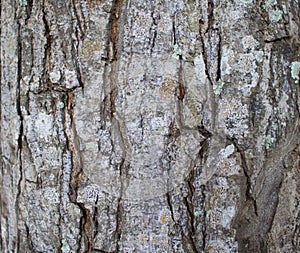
(115, 27)
(154, 29)
(79, 17)
(205, 31)
(204, 55)
(204, 232)
(275, 207)
(46, 83)
(219, 71)
(174, 31)
(201, 156)
(284, 38)
(181, 86)
(203, 131)
(210, 17)
(21, 129)
(95, 218)
(189, 243)
(85, 228)
(77, 64)
(29, 239)
(248, 193)
(79, 33)
(170, 206)
(29, 6)
(188, 202)
(119, 223)
(114, 44)
(120, 208)
(153, 42)
(55, 88)
(76, 174)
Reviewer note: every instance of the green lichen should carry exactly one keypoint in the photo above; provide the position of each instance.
(267, 141)
(259, 56)
(65, 248)
(271, 3)
(295, 70)
(177, 53)
(246, 1)
(23, 3)
(276, 15)
(218, 87)
(268, 4)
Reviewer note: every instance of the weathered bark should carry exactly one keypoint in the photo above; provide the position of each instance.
(150, 126)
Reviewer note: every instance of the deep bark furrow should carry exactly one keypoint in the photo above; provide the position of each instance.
(76, 174)
(203, 206)
(188, 202)
(249, 188)
(46, 83)
(21, 131)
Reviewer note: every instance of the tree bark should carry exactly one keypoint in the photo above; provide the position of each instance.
(150, 126)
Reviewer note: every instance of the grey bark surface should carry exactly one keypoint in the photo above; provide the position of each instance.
(149, 126)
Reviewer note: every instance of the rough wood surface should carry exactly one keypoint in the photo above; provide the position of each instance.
(149, 126)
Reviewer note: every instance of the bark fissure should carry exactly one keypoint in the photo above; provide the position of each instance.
(249, 188)
(219, 58)
(188, 202)
(168, 196)
(181, 86)
(204, 232)
(202, 152)
(46, 83)
(21, 130)
(72, 144)
(29, 239)
(204, 31)
(95, 111)
(80, 19)
(77, 64)
(95, 218)
(153, 38)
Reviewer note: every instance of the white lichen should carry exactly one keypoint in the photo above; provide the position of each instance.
(295, 70)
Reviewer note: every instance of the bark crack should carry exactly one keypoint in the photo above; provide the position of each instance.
(48, 52)
(72, 145)
(181, 86)
(188, 202)
(249, 190)
(204, 232)
(21, 129)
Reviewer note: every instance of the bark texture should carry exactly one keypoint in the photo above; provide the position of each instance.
(150, 126)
